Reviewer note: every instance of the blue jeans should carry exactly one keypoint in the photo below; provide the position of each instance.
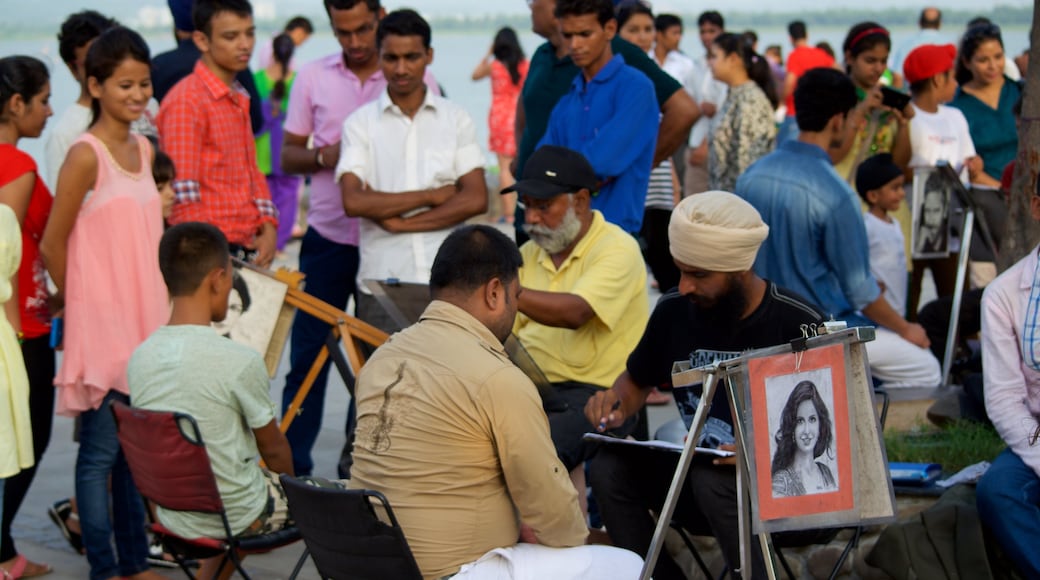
(100, 457)
(331, 271)
(1008, 499)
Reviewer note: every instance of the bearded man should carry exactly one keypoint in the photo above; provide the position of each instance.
(720, 309)
(584, 301)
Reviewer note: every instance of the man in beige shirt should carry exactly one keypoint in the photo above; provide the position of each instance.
(455, 436)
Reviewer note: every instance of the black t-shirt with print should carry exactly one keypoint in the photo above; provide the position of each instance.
(677, 331)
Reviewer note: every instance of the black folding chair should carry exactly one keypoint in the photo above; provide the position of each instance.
(345, 536)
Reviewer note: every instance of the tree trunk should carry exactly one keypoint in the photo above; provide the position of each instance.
(1022, 233)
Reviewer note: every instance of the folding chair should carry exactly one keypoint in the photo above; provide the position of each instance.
(344, 534)
(171, 468)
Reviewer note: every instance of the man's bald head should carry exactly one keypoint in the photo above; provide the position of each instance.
(931, 17)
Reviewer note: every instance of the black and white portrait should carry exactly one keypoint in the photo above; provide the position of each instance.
(253, 308)
(802, 427)
(931, 215)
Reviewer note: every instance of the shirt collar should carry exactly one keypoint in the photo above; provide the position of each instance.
(451, 314)
(216, 87)
(1025, 280)
(796, 146)
(606, 73)
(386, 105)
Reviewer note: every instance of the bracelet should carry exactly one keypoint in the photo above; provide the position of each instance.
(319, 159)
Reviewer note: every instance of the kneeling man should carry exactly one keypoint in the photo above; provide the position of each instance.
(454, 434)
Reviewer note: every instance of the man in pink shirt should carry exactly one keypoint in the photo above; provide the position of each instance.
(325, 93)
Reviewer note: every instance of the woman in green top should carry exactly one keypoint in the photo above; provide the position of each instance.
(871, 127)
(986, 97)
(274, 83)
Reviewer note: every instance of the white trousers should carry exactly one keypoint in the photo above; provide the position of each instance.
(898, 363)
(535, 562)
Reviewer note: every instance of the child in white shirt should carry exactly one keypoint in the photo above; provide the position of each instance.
(879, 181)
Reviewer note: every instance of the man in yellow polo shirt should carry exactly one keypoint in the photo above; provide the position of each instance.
(584, 303)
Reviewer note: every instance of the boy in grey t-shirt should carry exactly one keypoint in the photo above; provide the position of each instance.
(187, 367)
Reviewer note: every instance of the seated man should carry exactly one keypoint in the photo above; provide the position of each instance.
(454, 435)
(721, 308)
(1009, 493)
(584, 302)
(187, 367)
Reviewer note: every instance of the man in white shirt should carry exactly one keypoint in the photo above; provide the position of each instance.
(410, 166)
(709, 95)
(666, 53)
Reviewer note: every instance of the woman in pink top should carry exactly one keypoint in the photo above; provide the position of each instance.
(101, 248)
(506, 64)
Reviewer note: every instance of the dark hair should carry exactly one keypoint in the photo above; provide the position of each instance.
(863, 37)
(603, 9)
(282, 51)
(301, 22)
(918, 87)
(785, 442)
(508, 51)
(629, 8)
(925, 22)
(188, 252)
(372, 5)
(204, 11)
(79, 29)
(750, 37)
(796, 30)
(108, 52)
(238, 284)
(975, 37)
(821, 94)
(711, 17)
(163, 170)
(756, 66)
(470, 257)
(21, 75)
(826, 47)
(665, 21)
(977, 21)
(404, 22)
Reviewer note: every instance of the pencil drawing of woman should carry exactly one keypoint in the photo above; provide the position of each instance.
(805, 434)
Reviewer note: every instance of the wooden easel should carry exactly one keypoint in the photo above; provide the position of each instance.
(344, 330)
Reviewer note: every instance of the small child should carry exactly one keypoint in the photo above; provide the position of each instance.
(164, 173)
(879, 182)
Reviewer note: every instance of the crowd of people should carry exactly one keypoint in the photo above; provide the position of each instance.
(758, 195)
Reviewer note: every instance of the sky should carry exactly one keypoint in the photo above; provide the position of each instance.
(18, 12)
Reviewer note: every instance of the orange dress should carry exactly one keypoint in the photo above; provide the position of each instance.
(502, 117)
(115, 296)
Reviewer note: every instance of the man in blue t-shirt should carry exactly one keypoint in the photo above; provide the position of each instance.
(609, 115)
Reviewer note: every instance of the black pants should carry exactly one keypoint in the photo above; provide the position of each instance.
(39, 362)
(656, 252)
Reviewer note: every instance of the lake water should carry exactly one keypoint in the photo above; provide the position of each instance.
(455, 56)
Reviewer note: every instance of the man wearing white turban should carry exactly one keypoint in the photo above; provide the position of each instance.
(720, 309)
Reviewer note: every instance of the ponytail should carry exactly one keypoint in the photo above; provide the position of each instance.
(756, 65)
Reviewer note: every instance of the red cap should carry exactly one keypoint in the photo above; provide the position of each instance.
(926, 61)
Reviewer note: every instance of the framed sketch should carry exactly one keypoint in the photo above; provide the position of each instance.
(931, 210)
(257, 314)
(800, 436)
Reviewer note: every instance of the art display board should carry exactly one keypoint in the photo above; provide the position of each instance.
(258, 315)
(760, 381)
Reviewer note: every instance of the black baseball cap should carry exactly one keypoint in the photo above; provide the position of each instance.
(553, 170)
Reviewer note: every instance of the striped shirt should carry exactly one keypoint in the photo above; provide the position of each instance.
(204, 127)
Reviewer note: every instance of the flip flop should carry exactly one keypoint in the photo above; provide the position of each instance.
(20, 569)
(60, 513)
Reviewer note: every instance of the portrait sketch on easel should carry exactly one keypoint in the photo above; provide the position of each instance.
(799, 429)
(255, 312)
(932, 195)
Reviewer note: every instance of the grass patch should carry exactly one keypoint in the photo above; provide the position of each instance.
(955, 447)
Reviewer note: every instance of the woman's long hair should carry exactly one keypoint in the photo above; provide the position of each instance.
(282, 52)
(508, 51)
(785, 443)
(970, 42)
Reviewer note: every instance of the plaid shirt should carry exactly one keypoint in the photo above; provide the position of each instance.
(204, 127)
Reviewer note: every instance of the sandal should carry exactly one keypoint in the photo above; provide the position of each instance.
(23, 568)
(61, 513)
